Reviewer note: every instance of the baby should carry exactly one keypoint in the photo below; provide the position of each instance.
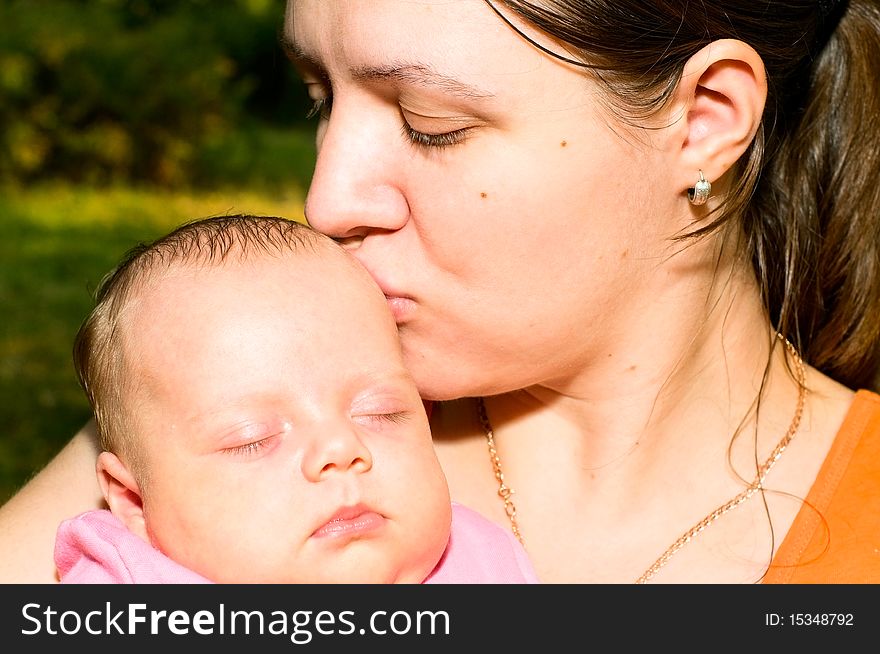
(258, 424)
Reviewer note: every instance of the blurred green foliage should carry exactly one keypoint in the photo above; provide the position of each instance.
(176, 93)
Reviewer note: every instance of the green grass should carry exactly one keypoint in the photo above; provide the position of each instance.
(58, 241)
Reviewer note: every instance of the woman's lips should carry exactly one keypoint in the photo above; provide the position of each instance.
(402, 308)
(401, 304)
(350, 521)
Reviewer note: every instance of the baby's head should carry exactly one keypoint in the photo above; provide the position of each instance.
(258, 421)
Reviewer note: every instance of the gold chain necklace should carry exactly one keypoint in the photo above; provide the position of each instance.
(505, 492)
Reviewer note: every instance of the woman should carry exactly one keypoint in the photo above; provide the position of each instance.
(646, 234)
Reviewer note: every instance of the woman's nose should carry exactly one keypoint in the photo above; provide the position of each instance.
(335, 449)
(357, 182)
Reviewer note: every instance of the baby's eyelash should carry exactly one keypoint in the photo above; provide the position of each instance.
(397, 418)
(381, 420)
(248, 448)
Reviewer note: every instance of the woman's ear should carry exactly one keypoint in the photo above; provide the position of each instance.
(122, 493)
(720, 98)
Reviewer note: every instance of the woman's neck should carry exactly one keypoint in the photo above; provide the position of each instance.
(685, 357)
(639, 444)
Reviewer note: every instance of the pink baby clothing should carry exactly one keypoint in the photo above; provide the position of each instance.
(481, 552)
(96, 548)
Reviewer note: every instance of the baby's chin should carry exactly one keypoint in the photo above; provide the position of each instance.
(352, 570)
(396, 559)
(370, 573)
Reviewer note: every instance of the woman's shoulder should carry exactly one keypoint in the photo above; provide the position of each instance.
(860, 426)
(867, 399)
(866, 402)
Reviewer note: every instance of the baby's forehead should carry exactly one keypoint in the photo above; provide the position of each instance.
(325, 285)
(316, 261)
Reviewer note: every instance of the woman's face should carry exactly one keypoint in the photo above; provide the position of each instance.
(503, 212)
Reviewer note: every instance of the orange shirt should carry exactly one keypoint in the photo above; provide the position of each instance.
(835, 538)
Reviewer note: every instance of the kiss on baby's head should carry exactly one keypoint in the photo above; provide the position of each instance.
(257, 419)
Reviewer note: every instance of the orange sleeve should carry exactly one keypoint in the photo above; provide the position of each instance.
(835, 538)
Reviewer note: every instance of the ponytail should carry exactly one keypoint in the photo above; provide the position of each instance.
(814, 226)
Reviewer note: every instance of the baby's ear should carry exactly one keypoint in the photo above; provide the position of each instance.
(122, 493)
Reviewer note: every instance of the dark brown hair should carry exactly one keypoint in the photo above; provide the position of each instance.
(806, 192)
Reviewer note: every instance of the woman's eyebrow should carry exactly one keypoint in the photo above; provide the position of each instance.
(296, 54)
(421, 75)
(407, 73)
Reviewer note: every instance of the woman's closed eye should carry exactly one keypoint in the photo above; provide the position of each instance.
(441, 140)
(434, 129)
(321, 107)
(321, 95)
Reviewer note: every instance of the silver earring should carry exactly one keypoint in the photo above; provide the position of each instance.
(700, 192)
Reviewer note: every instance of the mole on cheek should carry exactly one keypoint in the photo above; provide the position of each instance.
(563, 144)
(484, 195)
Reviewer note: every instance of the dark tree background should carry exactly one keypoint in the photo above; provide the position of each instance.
(170, 92)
